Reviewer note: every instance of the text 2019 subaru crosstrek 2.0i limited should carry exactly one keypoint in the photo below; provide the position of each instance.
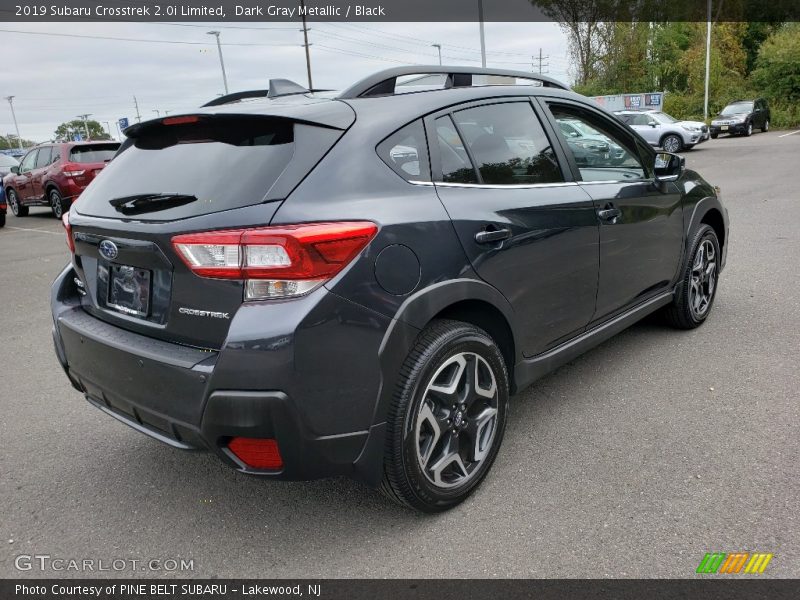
(312, 283)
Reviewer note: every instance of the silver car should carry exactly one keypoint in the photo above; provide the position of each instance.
(664, 131)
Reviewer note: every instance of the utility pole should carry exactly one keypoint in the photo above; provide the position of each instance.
(138, 116)
(158, 113)
(708, 62)
(439, 48)
(85, 124)
(541, 65)
(221, 62)
(306, 44)
(108, 126)
(483, 41)
(14, 116)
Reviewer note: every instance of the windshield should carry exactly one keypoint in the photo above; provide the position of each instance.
(185, 170)
(737, 108)
(663, 118)
(93, 154)
(8, 161)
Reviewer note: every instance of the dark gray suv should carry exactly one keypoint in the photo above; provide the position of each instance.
(311, 283)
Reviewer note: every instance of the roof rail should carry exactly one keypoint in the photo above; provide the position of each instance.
(277, 88)
(385, 82)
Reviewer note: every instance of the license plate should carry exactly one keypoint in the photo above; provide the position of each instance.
(129, 290)
(724, 128)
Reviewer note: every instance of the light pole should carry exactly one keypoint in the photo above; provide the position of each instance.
(108, 126)
(14, 116)
(708, 63)
(439, 48)
(85, 124)
(483, 41)
(158, 113)
(221, 62)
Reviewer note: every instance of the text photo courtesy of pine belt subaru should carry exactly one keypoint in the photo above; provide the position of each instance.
(55, 174)
(310, 284)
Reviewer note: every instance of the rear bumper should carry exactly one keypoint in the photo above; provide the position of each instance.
(187, 397)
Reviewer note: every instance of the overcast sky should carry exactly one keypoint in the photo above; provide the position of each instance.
(55, 77)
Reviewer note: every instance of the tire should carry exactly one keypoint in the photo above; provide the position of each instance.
(2, 220)
(714, 136)
(765, 127)
(422, 469)
(57, 204)
(17, 209)
(749, 131)
(672, 143)
(688, 310)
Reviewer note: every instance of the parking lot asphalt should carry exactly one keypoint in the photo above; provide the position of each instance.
(632, 461)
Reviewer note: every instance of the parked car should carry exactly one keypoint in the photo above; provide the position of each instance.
(740, 117)
(355, 283)
(54, 175)
(588, 146)
(663, 131)
(6, 162)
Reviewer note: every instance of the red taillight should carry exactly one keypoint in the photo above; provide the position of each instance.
(68, 229)
(281, 261)
(72, 169)
(257, 453)
(180, 120)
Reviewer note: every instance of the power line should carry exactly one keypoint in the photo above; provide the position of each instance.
(119, 39)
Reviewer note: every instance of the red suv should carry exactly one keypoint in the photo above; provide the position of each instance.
(55, 174)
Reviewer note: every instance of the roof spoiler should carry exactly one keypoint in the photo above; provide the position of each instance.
(384, 82)
(277, 89)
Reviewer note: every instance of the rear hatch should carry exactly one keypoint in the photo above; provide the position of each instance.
(180, 175)
(87, 160)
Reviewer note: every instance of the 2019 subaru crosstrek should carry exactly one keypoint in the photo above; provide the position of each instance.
(313, 284)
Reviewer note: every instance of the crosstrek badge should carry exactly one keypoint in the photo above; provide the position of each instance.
(203, 313)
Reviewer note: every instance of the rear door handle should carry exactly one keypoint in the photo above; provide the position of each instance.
(493, 235)
(609, 213)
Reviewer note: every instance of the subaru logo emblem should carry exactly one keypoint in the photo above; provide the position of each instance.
(108, 249)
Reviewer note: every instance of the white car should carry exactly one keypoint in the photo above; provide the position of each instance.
(664, 131)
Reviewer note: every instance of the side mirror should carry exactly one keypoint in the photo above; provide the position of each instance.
(669, 166)
(15, 170)
(653, 124)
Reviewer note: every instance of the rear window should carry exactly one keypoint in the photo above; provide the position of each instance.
(177, 171)
(93, 154)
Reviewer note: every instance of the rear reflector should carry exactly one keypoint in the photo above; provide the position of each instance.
(276, 262)
(257, 453)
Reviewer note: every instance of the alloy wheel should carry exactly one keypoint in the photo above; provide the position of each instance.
(672, 144)
(704, 279)
(55, 203)
(456, 423)
(13, 202)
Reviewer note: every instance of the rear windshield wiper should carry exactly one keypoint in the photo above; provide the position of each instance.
(144, 203)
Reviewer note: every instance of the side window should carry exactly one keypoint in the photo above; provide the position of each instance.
(641, 120)
(28, 162)
(43, 159)
(601, 154)
(456, 165)
(406, 152)
(56, 156)
(508, 144)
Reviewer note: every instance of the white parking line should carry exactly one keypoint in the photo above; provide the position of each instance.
(790, 133)
(35, 230)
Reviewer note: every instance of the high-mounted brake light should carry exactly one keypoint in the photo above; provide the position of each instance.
(68, 230)
(180, 120)
(275, 262)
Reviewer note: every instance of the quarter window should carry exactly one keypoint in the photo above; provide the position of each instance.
(508, 144)
(600, 153)
(405, 151)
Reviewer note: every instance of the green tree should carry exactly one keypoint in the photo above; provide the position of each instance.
(777, 70)
(65, 131)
